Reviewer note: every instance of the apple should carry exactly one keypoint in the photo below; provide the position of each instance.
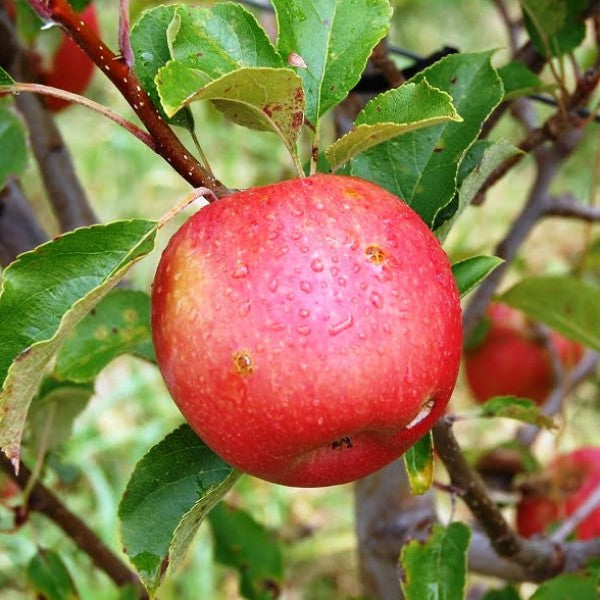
(512, 359)
(70, 68)
(570, 479)
(309, 331)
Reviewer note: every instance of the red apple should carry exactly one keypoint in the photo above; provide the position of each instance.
(513, 359)
(70, 69)
(309, 331)
(570, 479)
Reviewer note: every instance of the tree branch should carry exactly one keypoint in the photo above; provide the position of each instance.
(42, 500)
(567, 206)
(592, 502)
(63, 187)
(19, 229)
(125, 80)
(539, 559)
(586, 366)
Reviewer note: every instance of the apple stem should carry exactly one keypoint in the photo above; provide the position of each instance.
(168, 145)
(208, 194)
(46, 90)
(297, 164)
(124, 41)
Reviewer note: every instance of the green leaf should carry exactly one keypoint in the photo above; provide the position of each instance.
(421, 166)
(566, 304)
(419, 464)
(119, 324)
(53, 411)
(5, 78)
(407, 108)
(45, 293)
(437, 569)
(335, 39)
(259, 98)
(171, 490)
(245, 545)
(493, 156)
(49, 577)
(13, 141)
(220, 39)
(506, 593)
(555, 26)
(519, 81)
(520, 409)
(151, 51)
(471, 271)
(567, 587)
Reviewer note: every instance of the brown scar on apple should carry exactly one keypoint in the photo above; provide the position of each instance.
(342, 443)
(243, 362)
(375, 254)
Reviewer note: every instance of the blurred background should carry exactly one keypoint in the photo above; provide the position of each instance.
(131, 409)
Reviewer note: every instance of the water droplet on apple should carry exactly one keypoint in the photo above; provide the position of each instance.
(273, 285)
(303, 329)
(303, 312)
(319, 206)
(316, 265)
(342, 281)
(296, 234)
(272, 235)
(334, 271)
(241, 270)
(363, 286)
(306, 286)
(290, 295)
(275, 325)
(376, 300)
(282, 251)
(304, 249)
(339, 326)
(244, 308)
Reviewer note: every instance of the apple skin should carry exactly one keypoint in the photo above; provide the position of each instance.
(309, 331)
(513, 360)
(70, 69)
(570, 479)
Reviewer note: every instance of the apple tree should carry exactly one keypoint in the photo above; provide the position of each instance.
(309, 330)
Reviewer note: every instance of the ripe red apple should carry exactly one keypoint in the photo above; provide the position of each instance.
(70, 68)
(570, 479)
(309, 331)
(513, 359)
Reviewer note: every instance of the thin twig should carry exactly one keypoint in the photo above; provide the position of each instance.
(37, 88)
(125, 80)
(568, 207)
(124, 40)
(540, 560)
(584, 510)
(42, 500)
(553, 404)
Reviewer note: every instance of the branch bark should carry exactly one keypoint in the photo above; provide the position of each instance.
(19, 229)
(65, 192)
(42, 500)
(125, 80)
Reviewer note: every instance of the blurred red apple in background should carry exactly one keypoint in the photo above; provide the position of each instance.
(309, 331)
(513, 359)
(569, 480)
